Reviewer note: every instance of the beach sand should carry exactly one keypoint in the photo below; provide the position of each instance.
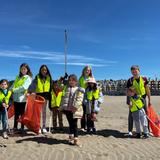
(110, 142)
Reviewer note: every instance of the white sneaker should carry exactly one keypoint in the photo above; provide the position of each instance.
(130, 133)
(5, 136)
(44, 130)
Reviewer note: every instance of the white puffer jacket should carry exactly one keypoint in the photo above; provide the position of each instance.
(73, 98)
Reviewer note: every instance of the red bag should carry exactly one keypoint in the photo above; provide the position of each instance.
(31, 117)
(154, 121)
(10, 111)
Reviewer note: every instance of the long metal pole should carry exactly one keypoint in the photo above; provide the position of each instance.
(65, 51)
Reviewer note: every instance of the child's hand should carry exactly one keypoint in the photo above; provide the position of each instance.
(4, 105)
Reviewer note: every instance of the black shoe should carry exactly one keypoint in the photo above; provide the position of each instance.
(138, 135)
(145, 135)
(94, 130)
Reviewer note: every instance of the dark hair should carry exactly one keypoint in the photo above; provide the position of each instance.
(94, 87)
(4, 80)
(85, 69)
(135, 67)
(73, 76)
(28, 69)
(48, 72)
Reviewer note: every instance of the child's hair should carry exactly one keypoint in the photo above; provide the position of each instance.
(28, 69)
(92, 88)
(48, 72)
(74, 77)
(4, 80)
(83, 71)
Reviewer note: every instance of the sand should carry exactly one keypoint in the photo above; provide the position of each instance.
(110, 143)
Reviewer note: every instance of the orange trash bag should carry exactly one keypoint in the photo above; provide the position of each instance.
(154, 121)
(10, 111)
(31, 117)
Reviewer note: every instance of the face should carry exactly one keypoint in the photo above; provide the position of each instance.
(55, 86)
(24, 70)
(44, 71)
(4, 85)
(135, 72)
(72, 82)
(87, 71)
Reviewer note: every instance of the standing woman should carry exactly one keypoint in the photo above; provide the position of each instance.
(41, 85)
(19, 89)
(86, 75)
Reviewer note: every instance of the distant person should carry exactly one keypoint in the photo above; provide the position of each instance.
(4, 102)
(92, 99)
(139, 116)
(86, 75)
(41, 85)
(56, 95)
(71, 105)
(141, 85)
(19, 89)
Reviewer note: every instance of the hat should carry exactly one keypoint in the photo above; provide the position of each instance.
(92, 80)
(135, 67)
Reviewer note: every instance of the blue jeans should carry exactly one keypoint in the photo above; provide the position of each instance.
(3, 119)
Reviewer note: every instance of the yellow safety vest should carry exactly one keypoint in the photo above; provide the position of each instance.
(5, 98)
(43, 86)
(140, 89)
(56, 100)
(93, 94)
(19, 81)
(82, 82)
(136, 104)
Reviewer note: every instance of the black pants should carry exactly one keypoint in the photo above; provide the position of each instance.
(90, 123)
(83, 119)
(19, 108)
(73, 129)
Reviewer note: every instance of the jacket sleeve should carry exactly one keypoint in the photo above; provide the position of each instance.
(24, 87)
(101, 98)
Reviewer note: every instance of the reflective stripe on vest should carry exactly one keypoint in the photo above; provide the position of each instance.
(19, 81)
(56, 100)
(93, 94)
(43, 86)
(140, 89)
(136, 104)
(82, 82)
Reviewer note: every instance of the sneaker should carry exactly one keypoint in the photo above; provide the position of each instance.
(44, 130)
(5, 135)
(145, 135)
(71, 139)
(130, 134)
(138, 135)
(94, 130)
(83, 129)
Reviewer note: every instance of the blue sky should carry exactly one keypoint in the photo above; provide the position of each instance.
(109, 35)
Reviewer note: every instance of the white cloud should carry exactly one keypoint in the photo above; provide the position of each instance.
(57, 58)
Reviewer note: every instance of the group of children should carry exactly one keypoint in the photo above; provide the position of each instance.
(77, 99)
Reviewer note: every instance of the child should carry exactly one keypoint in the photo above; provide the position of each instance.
(71, 105)
(19, 89)
(138, 113)
(86, 75)
(93, 99)
(4, 100)
(56, 95)
(41, 85)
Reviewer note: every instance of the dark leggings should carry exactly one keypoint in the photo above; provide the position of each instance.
(72, 123)
(90, 122)
(19, 108)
